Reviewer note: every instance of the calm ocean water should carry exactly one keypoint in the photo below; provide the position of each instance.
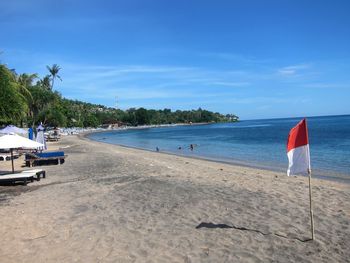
(258, 143)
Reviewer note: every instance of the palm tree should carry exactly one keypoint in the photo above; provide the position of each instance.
(45, 82)
(53, 73)
(13, 104)
(26, 80)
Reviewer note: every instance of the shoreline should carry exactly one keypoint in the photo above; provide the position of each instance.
(141, 127)
(341, 178)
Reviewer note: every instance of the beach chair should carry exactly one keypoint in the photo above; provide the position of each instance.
(44, 158)
(53, 137)
(39, 173)
(17, 177)
(7, 157)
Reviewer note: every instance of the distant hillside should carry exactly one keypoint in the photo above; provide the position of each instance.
(28, 100)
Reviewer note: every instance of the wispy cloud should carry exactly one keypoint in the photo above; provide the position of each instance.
(235, 58)
(253, 89)
(151, 76)
(147, 93)
(326, 85)
(293, 70)
(230, 84)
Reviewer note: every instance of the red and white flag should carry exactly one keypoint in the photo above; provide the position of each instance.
(298, 150)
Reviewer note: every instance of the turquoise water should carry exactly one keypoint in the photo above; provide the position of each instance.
(259, 143)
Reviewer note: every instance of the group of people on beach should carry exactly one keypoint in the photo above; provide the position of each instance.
(191, 147)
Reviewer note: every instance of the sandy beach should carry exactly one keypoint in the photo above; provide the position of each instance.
(109, 203)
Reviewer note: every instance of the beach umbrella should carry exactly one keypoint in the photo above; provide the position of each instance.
(12, 129)
(40, 137)
(13, 141)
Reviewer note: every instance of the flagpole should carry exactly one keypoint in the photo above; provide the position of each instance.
(311, 211)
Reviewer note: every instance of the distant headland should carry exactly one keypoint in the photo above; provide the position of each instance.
(27, 100)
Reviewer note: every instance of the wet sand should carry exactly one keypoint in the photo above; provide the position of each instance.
(108, 203)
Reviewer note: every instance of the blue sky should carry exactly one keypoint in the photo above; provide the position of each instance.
(257, 59)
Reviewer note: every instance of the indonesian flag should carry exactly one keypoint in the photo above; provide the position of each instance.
(298, 150)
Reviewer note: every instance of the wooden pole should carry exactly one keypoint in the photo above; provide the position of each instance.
(311, 211)
(13, 169)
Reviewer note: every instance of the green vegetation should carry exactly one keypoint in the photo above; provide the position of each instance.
(26, 99)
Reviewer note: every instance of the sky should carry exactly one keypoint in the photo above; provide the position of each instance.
(256, 59)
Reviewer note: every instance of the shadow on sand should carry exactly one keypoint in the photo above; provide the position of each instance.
(212, 225)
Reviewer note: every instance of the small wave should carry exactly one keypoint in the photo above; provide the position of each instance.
(241, 127)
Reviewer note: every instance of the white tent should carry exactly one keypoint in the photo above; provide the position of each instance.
(12, 129)
(13, 141)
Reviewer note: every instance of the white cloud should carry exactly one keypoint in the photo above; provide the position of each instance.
(230, 84)
(326, 85)
(236, 57)
(147, 77)
(157, 85)
(287, 71)
(292, 70)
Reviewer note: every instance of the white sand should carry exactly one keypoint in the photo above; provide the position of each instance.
(114, 204)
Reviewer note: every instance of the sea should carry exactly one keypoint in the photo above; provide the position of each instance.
(254, 143)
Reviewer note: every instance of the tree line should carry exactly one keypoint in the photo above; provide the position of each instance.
(27, 100)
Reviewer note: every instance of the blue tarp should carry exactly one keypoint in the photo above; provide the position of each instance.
(50, 154)
(30, 133)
